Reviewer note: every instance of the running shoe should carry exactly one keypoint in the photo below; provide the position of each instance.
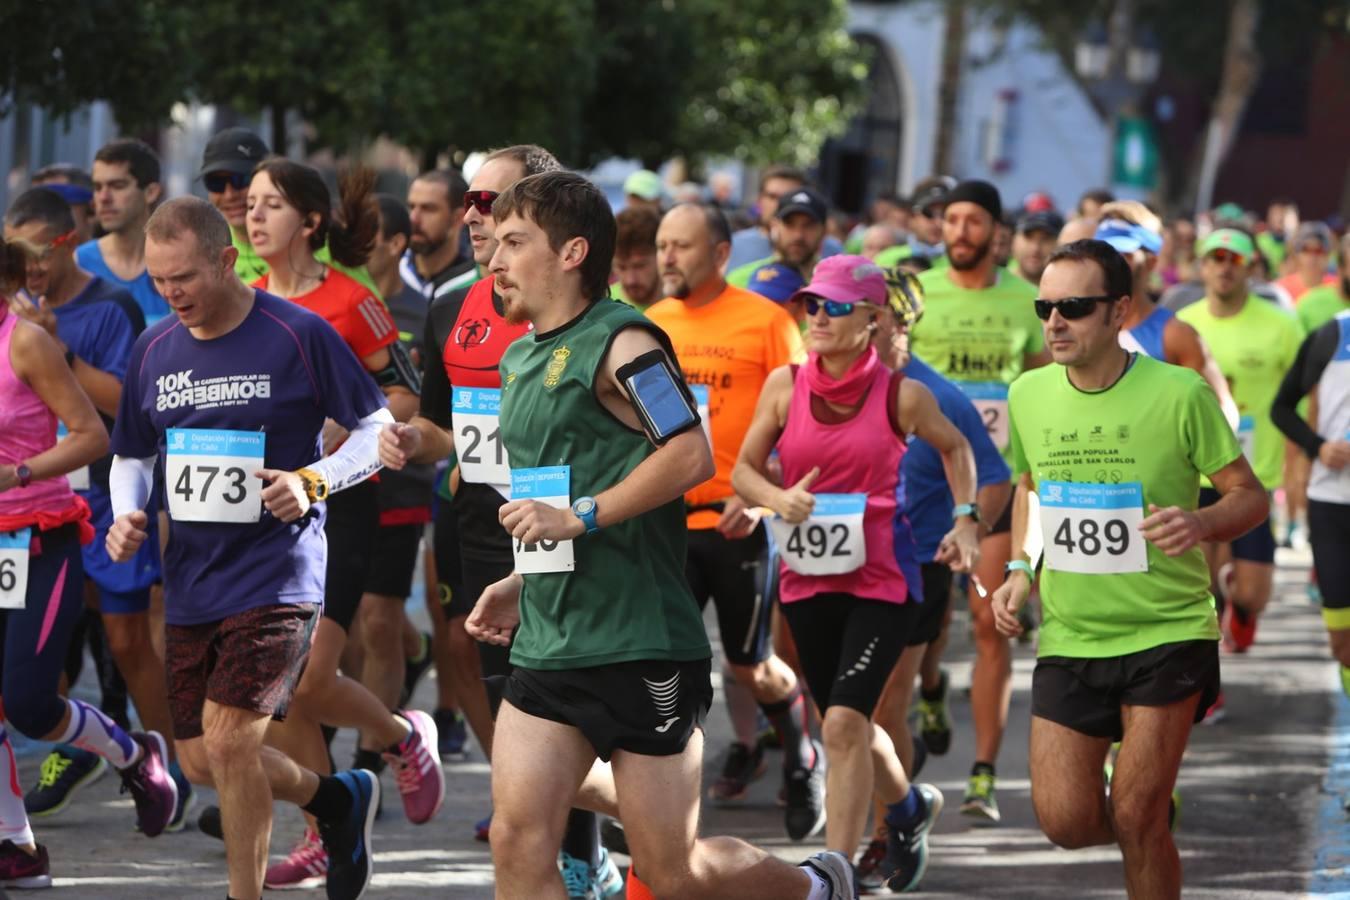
(65, 770)
(208, 823)
(613, 836)
(980, 803)
(347, 840)
(452, 737)
(22, 870)
(1216, 712)
(186, 798)
(1174, 811)
(1238, 625)
(418, 768)
(606, 879)
(306, 867)
(907, 850)
(835, 868)
(935, 726)
(805, 813)
(150, 785)
(482, 829)
(872, 868)
(742, 765)
(414, 669)
(576, 875)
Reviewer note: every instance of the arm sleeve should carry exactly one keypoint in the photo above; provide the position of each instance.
(129, 483)
(1312, 359)
(359, 457)
(436, 386)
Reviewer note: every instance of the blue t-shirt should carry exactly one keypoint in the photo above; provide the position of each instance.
(282, 371)
(142, 289)
(927, 498)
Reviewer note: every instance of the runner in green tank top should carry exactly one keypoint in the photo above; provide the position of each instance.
(611, 659)
(1114, 445)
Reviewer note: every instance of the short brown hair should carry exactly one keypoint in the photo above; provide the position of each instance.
(636, 230)
(565, 205)
(194, 216)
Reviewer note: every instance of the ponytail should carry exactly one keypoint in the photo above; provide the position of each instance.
(351, 237)
(13, 265)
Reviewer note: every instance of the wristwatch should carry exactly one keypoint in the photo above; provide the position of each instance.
(966, 509)
(584, 508)
(23, 474)
(316, 486)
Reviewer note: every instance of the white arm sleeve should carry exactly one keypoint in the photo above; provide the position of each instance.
(359, 456)
(129, 483)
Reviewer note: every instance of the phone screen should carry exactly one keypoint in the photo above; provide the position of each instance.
(660, 397)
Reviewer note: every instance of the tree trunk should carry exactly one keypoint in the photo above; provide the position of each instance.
(278, 116)
(949, 87)
(1241, 70)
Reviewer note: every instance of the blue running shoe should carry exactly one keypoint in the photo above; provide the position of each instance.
(348, 840)
(606, 879)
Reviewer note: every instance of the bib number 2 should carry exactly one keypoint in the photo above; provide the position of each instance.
(830, 542)
(551, 485)
(1093, 529)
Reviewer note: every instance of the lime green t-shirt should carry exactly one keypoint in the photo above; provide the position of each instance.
(1319, 306)
(1096, 461)
(1273, 250)
(249, 266)
(1253, 348)
(740, 276)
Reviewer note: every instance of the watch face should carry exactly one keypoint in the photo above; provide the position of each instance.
(584, 507)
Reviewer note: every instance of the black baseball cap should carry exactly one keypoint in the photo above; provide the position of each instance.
(803, 200)
(233, 150)
(932, 190)
(1046, 220)
(981, 193)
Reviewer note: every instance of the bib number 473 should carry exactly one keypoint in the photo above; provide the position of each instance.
(233, 487)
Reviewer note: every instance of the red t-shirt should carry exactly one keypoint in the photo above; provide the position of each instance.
(349, 306)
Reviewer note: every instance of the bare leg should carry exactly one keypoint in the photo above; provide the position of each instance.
(1068, 789)
(142, 668)
(232, 740)
(991, 681)
(892, 716)
(472, 695)
(382, 621)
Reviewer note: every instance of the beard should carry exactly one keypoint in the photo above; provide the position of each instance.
(514, 311)
(977, 256)
(424, 246)
(676, 285)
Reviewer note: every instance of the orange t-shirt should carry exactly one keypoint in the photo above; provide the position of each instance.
(1295, 286)
(730, 346)
(349, 306)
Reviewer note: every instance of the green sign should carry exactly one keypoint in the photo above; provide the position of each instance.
(1134, 162)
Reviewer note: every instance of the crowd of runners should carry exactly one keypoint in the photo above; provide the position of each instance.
(233, 429)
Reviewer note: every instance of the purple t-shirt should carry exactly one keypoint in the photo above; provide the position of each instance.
(282, 371)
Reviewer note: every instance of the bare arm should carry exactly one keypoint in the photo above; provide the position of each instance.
(1007, 600)
(1242, 506)
(992, 500)
(750, 477)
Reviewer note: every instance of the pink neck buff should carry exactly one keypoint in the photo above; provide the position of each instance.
(846, 391)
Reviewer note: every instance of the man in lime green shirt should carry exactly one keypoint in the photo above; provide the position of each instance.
(1322, 304)
(1114, 444)
(1254, 343)
(980, 331)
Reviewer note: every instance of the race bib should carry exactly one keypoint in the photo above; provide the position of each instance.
(1093, 529)
(79, 479)
(991, 399)
(15, 547)
(702, 394)
(1246, 435)
(210, 475)
(830, 542)
(478, 436)
(551, 485)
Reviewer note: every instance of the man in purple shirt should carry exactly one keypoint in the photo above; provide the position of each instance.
(229, 395)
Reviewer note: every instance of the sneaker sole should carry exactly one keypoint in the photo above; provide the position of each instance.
(307, 884)
(89, 778)
(28, 883)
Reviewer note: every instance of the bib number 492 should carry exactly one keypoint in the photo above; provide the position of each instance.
(815, 541)
(830, 542)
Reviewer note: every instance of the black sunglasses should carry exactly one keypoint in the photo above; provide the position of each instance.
(216, 182)
(480, 200)
(1070, 307)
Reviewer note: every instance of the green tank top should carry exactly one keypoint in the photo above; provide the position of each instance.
(626, 598)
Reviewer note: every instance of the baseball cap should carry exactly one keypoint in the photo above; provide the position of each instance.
(904, 295)
(1038, 201)
(803, 200)
(981, 193)
(1128, 237)
(73, 194)
(643, 183)
(1229, 212)
(233, 150)
(932, 190)
(847, 279)
(1314, 231)
(777, 281)
(1227, 239)
(1046, 220)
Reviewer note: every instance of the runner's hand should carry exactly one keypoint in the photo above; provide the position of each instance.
(960, 549)
(735, 522)
(796, 503)
(497, 612)
(398, 443)
(126, 535)
(530, 522)
(1173, 530)
(1334, 454)
(1008, 601)
(285, 497)
(40, 315)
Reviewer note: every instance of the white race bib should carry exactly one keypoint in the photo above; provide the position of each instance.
(210, 475)
(830, 542)
(552, 486)
(478, 436)
(702, 394)
(79, 479)
(14, 550)
(1093, 529)
(991, 399)
(1246, 435)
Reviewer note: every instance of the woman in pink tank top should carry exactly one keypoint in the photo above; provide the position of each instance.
(42, 524)
(839, 425)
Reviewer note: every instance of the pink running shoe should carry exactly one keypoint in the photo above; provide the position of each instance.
(19, 870)
(306, 867)
(150, 784)
(417, 768)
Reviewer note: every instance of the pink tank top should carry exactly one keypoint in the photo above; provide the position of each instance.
(859, 456)
(27, 428)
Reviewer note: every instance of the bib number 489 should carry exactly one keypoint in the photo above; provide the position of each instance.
(1113, 536)
(1093, 529)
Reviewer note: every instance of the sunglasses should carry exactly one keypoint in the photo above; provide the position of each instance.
(833, 308)
(1070, 307)
(216, 182)
(480, 200)
(1224, 257)
(45, 254)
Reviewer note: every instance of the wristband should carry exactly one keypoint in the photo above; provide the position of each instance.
(966, 509)
(1019, 565)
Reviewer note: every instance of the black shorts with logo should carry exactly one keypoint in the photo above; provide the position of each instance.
(648, 707)
(1087, 694)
